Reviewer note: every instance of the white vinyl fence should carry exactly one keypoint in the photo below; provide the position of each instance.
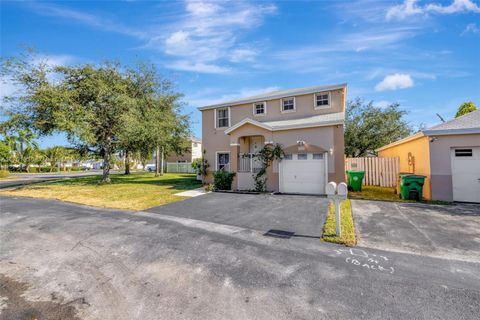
(378, 171)
(181, 167)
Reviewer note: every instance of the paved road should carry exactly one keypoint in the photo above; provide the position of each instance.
(437, 230)
(29, 178)
(111, 264)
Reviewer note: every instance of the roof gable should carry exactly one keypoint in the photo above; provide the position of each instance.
(247, 121)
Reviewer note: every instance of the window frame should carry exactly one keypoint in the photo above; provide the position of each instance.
(215, 117)
(325, 106)
(282, 105)
(255, 109)
(217, 153)
(302, 154)
(463, 152)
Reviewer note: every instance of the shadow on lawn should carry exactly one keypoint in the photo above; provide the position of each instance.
(178, 181)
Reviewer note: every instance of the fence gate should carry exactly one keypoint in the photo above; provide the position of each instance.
(378, 171)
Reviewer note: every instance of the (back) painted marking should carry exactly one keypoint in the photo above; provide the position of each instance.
(362, 259)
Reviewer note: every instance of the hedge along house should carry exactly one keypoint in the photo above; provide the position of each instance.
(448, 154)
(307, 122)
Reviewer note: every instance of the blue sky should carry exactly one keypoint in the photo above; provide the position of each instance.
(423, 54)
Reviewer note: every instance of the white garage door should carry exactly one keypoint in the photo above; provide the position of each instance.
(303, 173)
(466, 174)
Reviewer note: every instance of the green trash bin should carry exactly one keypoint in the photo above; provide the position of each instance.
(411, 186)
(354, 179)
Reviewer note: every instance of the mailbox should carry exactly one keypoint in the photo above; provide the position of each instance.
(331, 188)
(342, 189)
(337, 194)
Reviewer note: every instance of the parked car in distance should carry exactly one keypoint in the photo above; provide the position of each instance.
(150, 167)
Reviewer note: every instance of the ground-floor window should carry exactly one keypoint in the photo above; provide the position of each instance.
(223, 161)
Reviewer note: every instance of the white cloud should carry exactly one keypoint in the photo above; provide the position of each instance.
(210, 34)
(183, 65)
(394, 82)
(205, 36)
(410, 8)
(455, 7)
(241, 55)
(401, 11)
(48, 9)
(471, 28)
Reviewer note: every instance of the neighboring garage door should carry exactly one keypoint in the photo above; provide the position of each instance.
(303, 173)
(466, 174)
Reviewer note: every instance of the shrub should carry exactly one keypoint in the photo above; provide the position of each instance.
(222, 180)
(4, 173)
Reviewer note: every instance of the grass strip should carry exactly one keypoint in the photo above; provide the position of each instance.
(348, 237)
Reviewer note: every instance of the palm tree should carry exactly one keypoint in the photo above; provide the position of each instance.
(55, 155)
(23, 146)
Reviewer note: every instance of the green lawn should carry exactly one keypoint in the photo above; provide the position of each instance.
(347, 237)
(385, 194)
(137, 191)
(376, 193)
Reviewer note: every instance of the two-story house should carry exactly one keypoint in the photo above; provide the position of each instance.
(307, 122)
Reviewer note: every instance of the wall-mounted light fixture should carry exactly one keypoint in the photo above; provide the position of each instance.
(433, 139)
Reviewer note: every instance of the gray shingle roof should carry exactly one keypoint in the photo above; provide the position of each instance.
(276, 95)
(468, 123)
(321, 119)
(308, 122)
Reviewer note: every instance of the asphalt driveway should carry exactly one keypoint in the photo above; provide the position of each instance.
(447, 231)
(303, 215)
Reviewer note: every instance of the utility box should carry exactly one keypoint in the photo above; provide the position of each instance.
(411, 186)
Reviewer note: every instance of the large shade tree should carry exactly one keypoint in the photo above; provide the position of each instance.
(368, 127)
(94, 104)
(156, 123)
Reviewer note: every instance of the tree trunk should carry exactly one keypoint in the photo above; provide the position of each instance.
(106, 163)
(127, 162)
(161, 168)
(157, 161)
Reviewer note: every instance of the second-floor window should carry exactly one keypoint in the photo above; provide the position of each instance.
(222, 118)
(259, 108)
(288, 104)
(322, 100)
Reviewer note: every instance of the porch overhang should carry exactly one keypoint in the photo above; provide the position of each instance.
(248, 121)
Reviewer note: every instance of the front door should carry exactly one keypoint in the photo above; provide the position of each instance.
(256, 144)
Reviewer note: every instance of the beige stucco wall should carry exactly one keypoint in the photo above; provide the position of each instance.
(440, 162)
(419, 148)
(304, 107)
